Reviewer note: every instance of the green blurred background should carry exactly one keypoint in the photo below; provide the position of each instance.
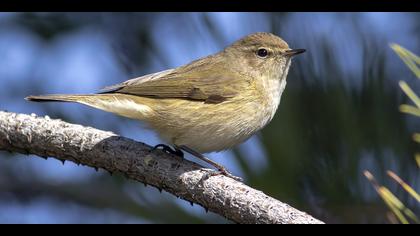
(338, 115)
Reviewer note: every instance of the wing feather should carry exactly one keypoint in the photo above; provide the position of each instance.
(195, 81)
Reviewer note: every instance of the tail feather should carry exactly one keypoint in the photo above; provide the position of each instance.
(121, 104)
(55, 98)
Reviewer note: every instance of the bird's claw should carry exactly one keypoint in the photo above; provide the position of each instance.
(222, 172)
(167, 149)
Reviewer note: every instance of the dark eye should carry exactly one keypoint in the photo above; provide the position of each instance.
(262, 52)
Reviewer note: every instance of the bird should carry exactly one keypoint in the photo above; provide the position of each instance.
(208, 105)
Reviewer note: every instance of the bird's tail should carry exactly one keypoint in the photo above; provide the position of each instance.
(121, 104)
(58, 98)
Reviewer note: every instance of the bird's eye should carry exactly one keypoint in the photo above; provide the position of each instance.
(262, 52)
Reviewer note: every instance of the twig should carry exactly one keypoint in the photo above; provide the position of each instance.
(234, 200)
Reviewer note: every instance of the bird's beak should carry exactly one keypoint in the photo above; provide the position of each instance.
(293, 52)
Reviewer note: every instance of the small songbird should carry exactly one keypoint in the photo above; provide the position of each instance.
(208, 105)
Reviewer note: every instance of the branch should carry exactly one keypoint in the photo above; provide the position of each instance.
(234, 200)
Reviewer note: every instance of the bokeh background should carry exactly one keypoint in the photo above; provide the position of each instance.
(338, 116)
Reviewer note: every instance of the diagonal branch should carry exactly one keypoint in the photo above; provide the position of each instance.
(234, 200)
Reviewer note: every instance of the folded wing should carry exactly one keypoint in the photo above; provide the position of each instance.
(196, 81)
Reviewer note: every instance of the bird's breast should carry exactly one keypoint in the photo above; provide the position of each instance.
(271, 92)
(214, 127)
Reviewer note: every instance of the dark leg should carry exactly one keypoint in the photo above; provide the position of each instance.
(168, 149)
(200, 156)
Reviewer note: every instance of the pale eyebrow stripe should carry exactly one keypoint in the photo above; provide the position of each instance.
(272, 47)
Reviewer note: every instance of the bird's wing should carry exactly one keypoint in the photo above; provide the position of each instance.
(197, 81)
(136, 81)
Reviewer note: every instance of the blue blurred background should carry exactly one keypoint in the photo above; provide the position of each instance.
(338, 116)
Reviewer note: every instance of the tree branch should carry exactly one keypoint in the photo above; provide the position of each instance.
(234, 200)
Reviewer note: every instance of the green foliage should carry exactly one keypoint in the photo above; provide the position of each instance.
(394, 204)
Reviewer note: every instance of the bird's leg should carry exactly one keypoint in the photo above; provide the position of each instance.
(222, 169)
(168, 149)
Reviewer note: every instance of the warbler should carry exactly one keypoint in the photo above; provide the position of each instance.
(208, 105)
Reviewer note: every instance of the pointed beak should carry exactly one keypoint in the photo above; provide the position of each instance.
(293, 52)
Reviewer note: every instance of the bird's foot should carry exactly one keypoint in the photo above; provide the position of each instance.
(212, 172)
(226, 173)
(221, 170)
(168, 149)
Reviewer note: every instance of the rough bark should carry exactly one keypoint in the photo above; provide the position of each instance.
(234, 200)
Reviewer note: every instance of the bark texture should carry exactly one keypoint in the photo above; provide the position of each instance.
(45, 137)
